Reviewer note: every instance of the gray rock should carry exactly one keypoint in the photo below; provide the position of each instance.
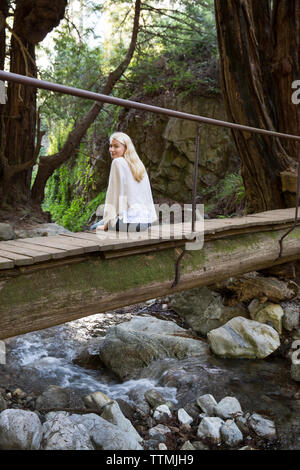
(142, 407)
(162, 446)
(151, 444)
(56, 415)
(207, 404)
(41, 230)
(61, 433)
(230, 434)
(88, 355)
(161, 411)
(203, 309)
(6, 232)
(184, 417)
(154, 398)
(198, 445)
(19, 430)
(3, 404)
(192, 409)
(210, 428)
(96, 400)
(58, 397)
(114, 415)
(291, 317)
(244, 338)
(127, 409)
(187, 446)
(132, 345)
(158, 430)
(263, 427)
(228, 407)
(268, 313)
(105, 435)
(241, 422)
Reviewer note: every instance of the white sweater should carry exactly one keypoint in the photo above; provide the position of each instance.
(126, 198)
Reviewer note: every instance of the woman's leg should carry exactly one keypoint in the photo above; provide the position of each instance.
(129, 227)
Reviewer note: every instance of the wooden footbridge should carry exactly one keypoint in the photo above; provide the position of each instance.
(45, 281)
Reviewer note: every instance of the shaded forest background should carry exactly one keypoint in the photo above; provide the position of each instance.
(175, 54)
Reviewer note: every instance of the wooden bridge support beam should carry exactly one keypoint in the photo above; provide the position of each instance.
(54, 292)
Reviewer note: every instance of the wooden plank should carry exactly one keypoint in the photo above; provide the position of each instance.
(55, 253)
(5, 263)
(142, 249)
(54, 242)
(245, 231)
(81, 235)
(34, 254)
(88, 245)
(214, 226)
(18, 260)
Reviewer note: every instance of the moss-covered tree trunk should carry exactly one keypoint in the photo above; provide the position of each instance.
(252, 40)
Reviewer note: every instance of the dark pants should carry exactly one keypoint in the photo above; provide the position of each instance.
(129, 227)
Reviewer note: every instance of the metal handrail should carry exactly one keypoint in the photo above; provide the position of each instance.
(90, 95)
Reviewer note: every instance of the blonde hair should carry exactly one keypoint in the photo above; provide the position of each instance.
(135, 163)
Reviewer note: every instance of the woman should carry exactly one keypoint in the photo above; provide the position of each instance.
(129, 204)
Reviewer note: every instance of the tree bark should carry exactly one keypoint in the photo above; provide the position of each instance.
(32, 22)
(3, 16)
(244, 37)
(285, 67)
(48, 164)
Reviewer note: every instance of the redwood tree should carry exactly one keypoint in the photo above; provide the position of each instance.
(259, 60)
(20, 139)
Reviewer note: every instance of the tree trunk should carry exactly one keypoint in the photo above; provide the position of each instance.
(48, 164)
(285, 67)
(20, 140)
(20, 116)
(3, 16)
(244, 37)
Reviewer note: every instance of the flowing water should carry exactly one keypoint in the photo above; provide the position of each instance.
(38, 359)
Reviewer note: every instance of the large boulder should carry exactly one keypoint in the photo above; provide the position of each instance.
(40, 230)
(61, 433)
(203, 309)
(6, 232)
(114, 415)
(19, 430)
(58, 397)
(135, 344)
(105, 435)
(244, 338)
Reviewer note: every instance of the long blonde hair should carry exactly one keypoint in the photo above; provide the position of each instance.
(135, 164)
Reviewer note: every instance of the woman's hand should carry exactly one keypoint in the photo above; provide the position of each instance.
(103, 227)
